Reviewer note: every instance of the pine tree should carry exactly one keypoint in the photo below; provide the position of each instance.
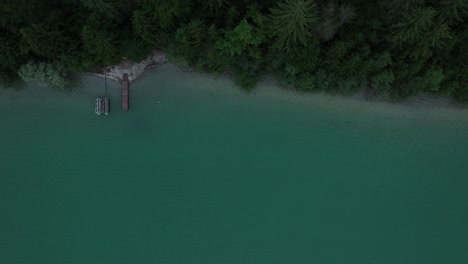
(190, 40)
(44, 40)
(334, 15)
(454, 10)
(418, 32)
(291, 22)
(10, 58)
(101, 45)
(107, 9)
(412, 25)
(213, 6)
(244, 38)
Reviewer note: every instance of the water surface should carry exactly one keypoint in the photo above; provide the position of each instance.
(198, 172)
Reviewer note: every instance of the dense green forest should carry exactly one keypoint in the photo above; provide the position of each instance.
(389, 48)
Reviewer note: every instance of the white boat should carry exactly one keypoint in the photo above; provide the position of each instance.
(102, 106)
(97, 106)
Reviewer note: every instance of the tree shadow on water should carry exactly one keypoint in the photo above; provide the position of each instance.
(12, 82)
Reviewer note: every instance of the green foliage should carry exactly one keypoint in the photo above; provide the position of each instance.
(5, 79)
(232, 16)
(190, 40)
(154, 18)
(9, 57)
(53, 75)
(17, 13)
(418, 31)
(291, 22)
(432, 79)
(324, 81)
(458, 84)
(135, 49)
(243, 38)
(165, 12)
(11, 80)
(394, 48)
(241, 46)
(213, 7)
(413, 25)
(295, 69)
(107, 9)
(145, 27)
(454, 10)
(211, 58)
(246, 79)
(44, 41)
(100, 45)
(334, 15)
(413, 78)
(195, 45)
(382, 82)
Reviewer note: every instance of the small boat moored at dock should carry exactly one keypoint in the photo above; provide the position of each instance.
(102, 106)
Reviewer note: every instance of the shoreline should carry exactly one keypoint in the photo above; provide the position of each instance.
(133, 69)
(158, 57)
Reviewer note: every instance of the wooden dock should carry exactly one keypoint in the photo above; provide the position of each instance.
(125, 92)
(106, 106)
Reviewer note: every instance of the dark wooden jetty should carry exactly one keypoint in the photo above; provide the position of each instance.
(125, 92)
(102, 106)
(106, 106)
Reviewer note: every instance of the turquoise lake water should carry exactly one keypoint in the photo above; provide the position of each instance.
(198, 172)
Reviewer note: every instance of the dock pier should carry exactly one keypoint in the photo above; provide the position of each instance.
(106, 106)
(102, 104)
(125, 92)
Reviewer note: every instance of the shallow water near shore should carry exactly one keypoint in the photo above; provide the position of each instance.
(199, 172)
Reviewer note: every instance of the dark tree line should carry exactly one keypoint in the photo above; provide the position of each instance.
(391, 48)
